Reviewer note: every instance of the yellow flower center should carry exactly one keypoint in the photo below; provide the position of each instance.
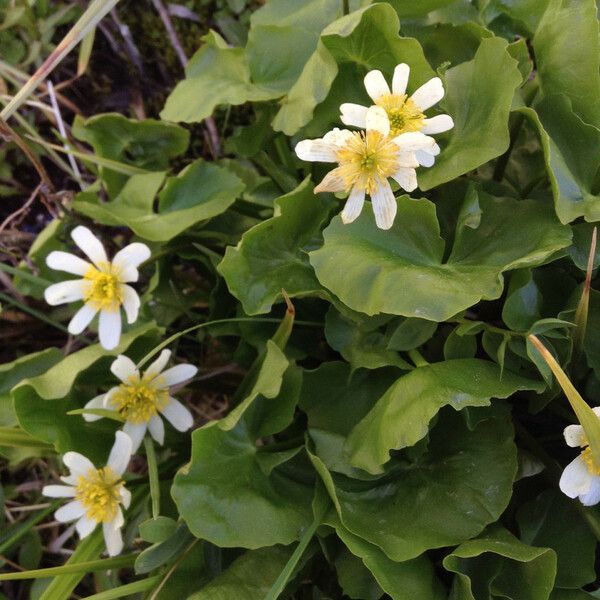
(590, 463)
(403, 113)
(366, 160)
(139, 400)
(100, 493)
(105, 291)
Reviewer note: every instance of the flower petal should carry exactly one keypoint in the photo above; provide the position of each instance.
(437, 124)
(354, 115)
(67, 262)
(70, 512)
(406, 178)
(338, 138)
(81, 319)
(112, 538)
(89, 244)
(428, 94)
(332, 182)
(413, 140)
(384, 205)
(157, 429)
(176, 375)
(97, 402)
(178, 415)
(158, 365)
(575, 479)
(425, 159)
(59, 491)
(124, 368)
(407, 159)
(85, 526)
(400, 79)
(63, 292)
(376, 85)
(315, 150)
(575, 436)
(136, 431)
(125, 497)
(77, 463)
(120, 454)
(377, 120)
(354, 205)
(127, 260)
(593, 495)
(131, 303)
(109, 328)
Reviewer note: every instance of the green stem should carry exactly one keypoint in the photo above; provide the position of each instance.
(183, 332)
(346, 7)
(417, 358)
(153, 476)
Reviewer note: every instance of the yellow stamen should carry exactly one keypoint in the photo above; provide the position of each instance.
(105, 291)
(403, 113)
(100, 493)
(591, 465)
(139, 400)
(366, 160)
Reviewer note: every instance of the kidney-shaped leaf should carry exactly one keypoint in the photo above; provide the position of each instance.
(201, 191)
(226, 497)
(401, 272)
(479, 95)
(498, 561)
(446, 496)
(402, 415)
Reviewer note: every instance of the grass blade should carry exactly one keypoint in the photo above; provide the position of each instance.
(581, 315)
(86, 23)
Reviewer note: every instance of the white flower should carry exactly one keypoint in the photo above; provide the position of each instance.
(140, 398)
(365, 161)
(97, 493)
(581, 477)
(103, 287)
(405, 113)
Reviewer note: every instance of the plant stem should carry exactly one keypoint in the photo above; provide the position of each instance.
(346, 7)
(417, 358)
(153, 476)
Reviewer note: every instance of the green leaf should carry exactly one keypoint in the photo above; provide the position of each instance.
(522, 307)
(148, 144)
(225, 497)
(39, 400)
(499, 563)
(411, 9)
(479, 95)
(157, 530)
(402, 415)
(250, 576)
(414, 579)
(552, 520)
(571, 167)
(355, 579)
(592, 333)
(567, 53)
(201, 191)
(267, 384)
(411, 333)
(463, 482)
(362, 345)
(401, 272)
(160, 553)
(264, 70)
(272, 255)
(14, 372)
(363, 40)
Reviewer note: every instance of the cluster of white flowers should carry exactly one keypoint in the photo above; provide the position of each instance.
(393, 143)
(139, 399)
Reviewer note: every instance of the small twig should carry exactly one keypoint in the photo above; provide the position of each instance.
(21, 210)
(30, 507)
(63, 132)
(132, 49)
(166, 19)
(56, 546)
